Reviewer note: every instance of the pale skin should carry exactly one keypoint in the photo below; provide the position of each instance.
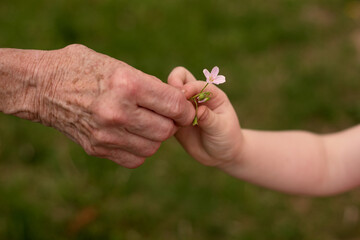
(296, 162)
(111, 109)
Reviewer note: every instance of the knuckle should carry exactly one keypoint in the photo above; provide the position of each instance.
(110, 117)
(130, 87)
(166, 131)
(76, 47)
(101, 137)
(125, 80)
(134, 163)
(88, 150)
(92, 151)
(151, 149)
(177, 107)
(98, 137)
(130, 162)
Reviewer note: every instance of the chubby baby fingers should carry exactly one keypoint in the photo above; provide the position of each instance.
(180, 76)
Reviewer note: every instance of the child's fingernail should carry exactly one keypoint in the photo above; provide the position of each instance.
(183, 90)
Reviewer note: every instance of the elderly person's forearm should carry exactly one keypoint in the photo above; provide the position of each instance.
(20, 81)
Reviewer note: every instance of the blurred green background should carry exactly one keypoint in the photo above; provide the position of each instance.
(290, 64)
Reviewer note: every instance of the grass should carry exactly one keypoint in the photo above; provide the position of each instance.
(290, 64)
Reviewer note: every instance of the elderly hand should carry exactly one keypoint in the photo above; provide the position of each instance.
(111, 109)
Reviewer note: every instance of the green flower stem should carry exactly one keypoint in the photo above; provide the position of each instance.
(195, 121)
(195, 96)
(203, 88)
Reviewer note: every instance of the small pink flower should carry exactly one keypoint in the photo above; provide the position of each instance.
(213, 77)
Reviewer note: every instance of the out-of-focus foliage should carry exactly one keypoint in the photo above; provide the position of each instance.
(289, 64)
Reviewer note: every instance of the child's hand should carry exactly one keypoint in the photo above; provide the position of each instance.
(217, 140)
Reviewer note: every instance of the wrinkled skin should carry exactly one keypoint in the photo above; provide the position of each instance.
(111, 109)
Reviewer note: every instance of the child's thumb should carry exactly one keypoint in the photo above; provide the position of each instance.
(208, 120)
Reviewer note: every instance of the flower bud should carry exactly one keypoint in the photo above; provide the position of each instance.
(201, 97)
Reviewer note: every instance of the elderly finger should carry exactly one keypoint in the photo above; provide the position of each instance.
(165, 100)
(112, 113)
(124, 158)
(121, 157)
(150, 125)
(121, 139)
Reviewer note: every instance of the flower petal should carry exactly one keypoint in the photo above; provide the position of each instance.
(215, 72)
(219, 79)
(204, 100)
(206, 73)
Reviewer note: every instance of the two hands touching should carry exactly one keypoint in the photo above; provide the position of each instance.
(111, 109)
(117, 112)
(217, 140)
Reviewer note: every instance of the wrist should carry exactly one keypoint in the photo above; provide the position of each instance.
(49, 72)
(20, 81)
(238, 158)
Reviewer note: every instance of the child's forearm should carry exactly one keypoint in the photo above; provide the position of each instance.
(297, 162)
(343, 153)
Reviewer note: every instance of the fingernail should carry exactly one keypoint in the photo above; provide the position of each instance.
(183, 90)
